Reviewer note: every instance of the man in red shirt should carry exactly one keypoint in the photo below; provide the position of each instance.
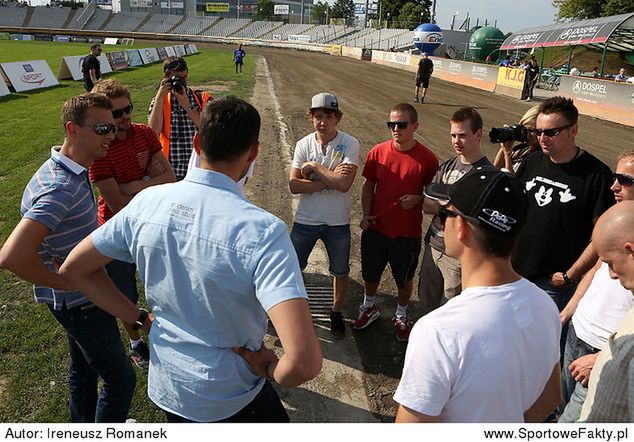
(395, 173)
(134, 161)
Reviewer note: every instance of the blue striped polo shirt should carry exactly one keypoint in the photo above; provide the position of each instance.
(60, 197)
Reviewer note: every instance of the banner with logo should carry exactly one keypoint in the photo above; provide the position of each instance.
(170, 51)
(191, 49)
(117, 60)
(71, 67)
(479, 76)
(217, 7)
(511, 77)
(141, 3)
(62, 38)
(180, 50)
(149, 55)
(281, 10)
(29, 75)
(21, 37)
(162, 53)
(134, 58)
(299, 38)
(110, 41)
(605, 99)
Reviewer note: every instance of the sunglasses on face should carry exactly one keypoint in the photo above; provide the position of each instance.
(118, 113)
(623, 179)
(444, 213)
(104, 128)
(552, 132)
(177, 65)
(400, 124)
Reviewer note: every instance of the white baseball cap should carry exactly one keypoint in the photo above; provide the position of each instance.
(324, 100)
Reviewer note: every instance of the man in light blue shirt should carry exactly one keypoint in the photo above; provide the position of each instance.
(214, 265)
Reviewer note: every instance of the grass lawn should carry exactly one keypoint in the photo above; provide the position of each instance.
(33, 347)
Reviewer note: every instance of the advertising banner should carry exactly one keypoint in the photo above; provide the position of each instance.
(180, 50)
(281, 10)
(43, 37)
(110, 41)
(141, 3)
(79, 39)
(511, 77)
(299, 38)
(162, 53)
(71, 67)
(62, 38)
(217, 7)
(4, 89)
(191, 49)
(21, 37)
(479, 76)
(605, 99)
(149, 55)
(170, 51)
(117, 60)
(134, 58)
(29, 75)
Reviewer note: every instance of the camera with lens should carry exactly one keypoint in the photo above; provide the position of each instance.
(177, 84)
(512, 133)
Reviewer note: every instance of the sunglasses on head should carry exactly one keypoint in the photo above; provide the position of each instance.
(623, 179)
(176, 65)
(104, 128)
(400, 124)
(118, 113)
(551, 132)
(444, 213)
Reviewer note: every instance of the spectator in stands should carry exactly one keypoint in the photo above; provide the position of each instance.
(395, 173)
(597, 308)
(91, 67)
(324, 167)
(621, 77)
(58, 211)
(134, 162)
(174, 114)
(216, 265)
(595, 72)
(490, 354)
(439, 278)
(507, 61)
(238, 58)
(575, 71)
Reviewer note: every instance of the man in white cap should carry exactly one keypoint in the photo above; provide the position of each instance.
(324, 166)
(504, 366)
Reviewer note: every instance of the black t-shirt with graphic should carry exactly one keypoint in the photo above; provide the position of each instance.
(563, 201)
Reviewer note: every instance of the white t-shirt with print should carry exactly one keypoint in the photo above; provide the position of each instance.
(485, 356)
(328, 206)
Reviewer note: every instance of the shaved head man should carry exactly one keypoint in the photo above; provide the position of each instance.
(613, 238)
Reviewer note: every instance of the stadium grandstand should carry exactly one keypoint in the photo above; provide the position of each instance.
(17, 15)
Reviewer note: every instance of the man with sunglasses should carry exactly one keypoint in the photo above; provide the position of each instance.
(439, 278)
(58, 211)
(568, 190)
(492, 353)
(595, 310)
(395, 172)
(174, 114)
(91, 67)
(133, 163)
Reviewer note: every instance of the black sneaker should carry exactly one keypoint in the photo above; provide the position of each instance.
(140, 355)
(337, 326)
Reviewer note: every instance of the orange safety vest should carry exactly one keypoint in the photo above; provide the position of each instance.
(164, 137)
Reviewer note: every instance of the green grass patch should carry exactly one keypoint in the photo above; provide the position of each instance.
(33, 347)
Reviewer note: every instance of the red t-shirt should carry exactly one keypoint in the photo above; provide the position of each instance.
(396, 174)
(125, 161)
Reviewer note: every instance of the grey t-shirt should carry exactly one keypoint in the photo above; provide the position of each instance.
(448, 173)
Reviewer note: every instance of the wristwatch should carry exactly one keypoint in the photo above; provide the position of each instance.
(143, 315)
(567, 279)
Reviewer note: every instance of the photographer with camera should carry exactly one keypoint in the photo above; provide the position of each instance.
(174, 114)
(511, 155)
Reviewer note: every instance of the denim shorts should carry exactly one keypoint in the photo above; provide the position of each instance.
(335, 238)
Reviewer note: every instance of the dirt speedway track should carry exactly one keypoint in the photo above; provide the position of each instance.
(366, 93)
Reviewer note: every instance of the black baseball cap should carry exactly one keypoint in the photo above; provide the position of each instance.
(489, 197)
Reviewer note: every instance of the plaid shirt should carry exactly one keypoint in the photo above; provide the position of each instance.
(182, 131)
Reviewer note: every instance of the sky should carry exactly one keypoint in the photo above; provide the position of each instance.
(511, 15)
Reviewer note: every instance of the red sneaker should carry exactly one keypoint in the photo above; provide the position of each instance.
(403, 327)
(366, 317)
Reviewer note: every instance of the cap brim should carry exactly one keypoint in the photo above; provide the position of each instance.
(438, 191)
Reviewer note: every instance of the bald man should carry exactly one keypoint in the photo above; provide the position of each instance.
(612, 379)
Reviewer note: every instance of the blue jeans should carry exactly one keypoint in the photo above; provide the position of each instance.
(574, 393)
(96, 351)
(335, 238)
(561, 296)
(123, 274)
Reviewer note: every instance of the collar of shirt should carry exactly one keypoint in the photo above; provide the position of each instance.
(212, 179)
(66, 162)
